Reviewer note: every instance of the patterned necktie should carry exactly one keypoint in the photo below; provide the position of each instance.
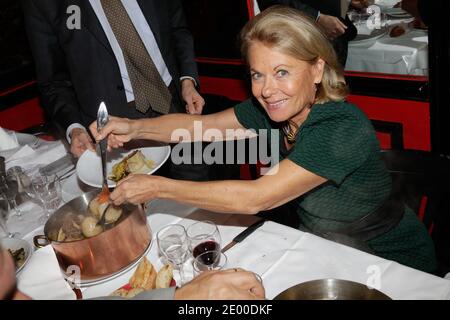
(148, 87)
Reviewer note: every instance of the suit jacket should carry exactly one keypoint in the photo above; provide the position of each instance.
(77, 69)
(312, 12)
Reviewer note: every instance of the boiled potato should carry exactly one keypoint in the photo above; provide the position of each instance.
(90, 228)
(113, 214)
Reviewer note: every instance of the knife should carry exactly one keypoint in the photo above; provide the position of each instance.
(244, 234)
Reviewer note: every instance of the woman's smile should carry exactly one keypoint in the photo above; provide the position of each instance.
(283, 85)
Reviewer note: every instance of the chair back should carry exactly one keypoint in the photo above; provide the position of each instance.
(423, 181)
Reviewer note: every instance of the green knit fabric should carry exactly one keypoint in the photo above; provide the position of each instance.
(338, 142)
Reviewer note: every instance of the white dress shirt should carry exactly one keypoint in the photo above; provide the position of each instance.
(146, 34)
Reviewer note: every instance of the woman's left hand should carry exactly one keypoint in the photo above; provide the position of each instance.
(135, 189)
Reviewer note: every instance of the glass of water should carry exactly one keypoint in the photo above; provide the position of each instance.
(47, 190)
(173, 245)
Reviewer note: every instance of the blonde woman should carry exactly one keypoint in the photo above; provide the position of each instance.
(330, 163)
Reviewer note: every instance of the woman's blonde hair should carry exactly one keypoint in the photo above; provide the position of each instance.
(291, 32)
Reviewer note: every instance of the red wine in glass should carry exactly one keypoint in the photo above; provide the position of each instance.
(211, 246)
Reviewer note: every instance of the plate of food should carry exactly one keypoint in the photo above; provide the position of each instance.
(19, 249)
(121, 162)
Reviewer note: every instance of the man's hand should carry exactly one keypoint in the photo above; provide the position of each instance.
(332, 26)
(361, 4)
(194, 101)
(80, 142)
(232, 284)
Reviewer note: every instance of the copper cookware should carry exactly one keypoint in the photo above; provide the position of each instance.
(108, 252)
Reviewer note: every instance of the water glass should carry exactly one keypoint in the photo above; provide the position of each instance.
(9, 186)
(47, 190)
(173, 245)
(4, 212)
(203, 236)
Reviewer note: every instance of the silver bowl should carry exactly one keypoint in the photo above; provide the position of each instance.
(331, 289)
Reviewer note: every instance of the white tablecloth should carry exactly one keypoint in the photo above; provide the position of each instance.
(406, 54)
(282, 256)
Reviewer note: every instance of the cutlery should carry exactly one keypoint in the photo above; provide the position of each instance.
(244, 234)
(102, 120)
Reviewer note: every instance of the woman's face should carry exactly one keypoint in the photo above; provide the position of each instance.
(284, 86)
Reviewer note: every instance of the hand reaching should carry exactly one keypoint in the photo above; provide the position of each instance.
(80, 141)
(332, 26)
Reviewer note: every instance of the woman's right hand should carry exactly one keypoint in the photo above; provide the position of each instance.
(118, 131)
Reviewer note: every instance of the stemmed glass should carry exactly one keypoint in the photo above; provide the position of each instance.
(173, 244)
(209, 260)
(203, 236)
(47, 190)
(9, 186)
(4, 211)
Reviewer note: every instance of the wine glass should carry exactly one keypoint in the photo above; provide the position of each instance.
(4, 211)
(47, 190)
(209, 260)
(9, 186)
(203, 236)
(173, 244)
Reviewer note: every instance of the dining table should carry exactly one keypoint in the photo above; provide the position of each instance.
(282, 256)
(380, 50)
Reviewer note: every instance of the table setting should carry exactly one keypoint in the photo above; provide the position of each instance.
(189, 239)
(388, 41)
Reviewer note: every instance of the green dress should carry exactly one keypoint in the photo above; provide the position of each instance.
(338, 142)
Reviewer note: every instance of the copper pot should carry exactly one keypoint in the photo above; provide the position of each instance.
(108, 252)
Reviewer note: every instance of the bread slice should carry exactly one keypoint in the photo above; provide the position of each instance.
(145, 276)
(124, 293)
(164, 277)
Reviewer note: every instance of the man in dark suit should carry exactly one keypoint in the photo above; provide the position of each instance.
(88, 51)
(327, 15)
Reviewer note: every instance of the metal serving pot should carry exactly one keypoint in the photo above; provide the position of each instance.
(106, 253)
(331, 289)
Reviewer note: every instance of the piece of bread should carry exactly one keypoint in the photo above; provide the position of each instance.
(397, 31)
(124, 293)
(164, 277)
(145, 276)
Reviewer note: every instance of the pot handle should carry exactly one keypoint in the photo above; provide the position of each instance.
(39, 245)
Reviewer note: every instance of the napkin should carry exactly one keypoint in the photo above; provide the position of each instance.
(42, 279)
(7, 141)
(27, 157)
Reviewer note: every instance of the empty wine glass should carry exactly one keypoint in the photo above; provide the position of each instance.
(4, 211)
(203, 236)
(173, 244)
(209, 260)
(47, 190)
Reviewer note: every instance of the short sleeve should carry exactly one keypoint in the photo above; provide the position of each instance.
(334, 146)
(250, 115)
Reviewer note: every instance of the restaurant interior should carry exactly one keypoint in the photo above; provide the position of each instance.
(396, 66)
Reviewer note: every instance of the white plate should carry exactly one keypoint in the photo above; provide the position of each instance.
(89, 167)
(363, 39)
(16, 244)
(73, 187)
